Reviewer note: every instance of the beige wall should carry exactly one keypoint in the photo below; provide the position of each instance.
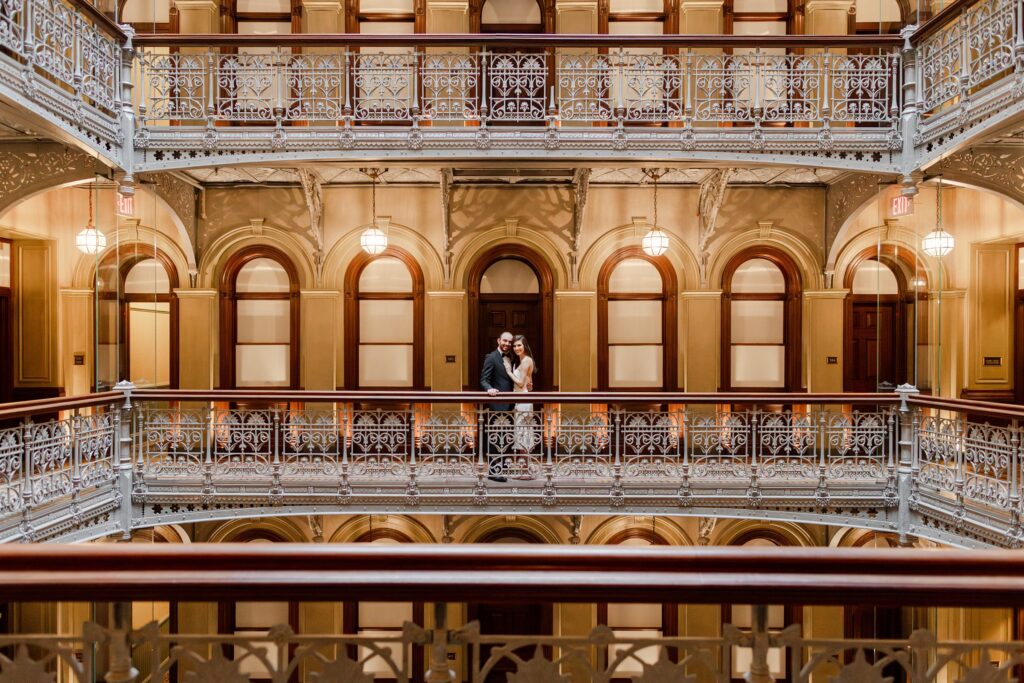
(976, 281)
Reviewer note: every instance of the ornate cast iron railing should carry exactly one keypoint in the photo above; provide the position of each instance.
(117, 651)
(64, 59)
(948, 470)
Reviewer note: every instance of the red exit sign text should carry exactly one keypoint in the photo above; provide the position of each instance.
(901, 205)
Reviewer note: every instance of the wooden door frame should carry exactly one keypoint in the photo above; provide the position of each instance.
(546, 284)
(899, 335)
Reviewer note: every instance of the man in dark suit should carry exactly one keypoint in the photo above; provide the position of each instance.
(494, 379)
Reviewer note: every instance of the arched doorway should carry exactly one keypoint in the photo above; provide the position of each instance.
(881, 319)
(511, 288)
(509, 618)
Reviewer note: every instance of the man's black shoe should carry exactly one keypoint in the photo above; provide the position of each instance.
(494, 477)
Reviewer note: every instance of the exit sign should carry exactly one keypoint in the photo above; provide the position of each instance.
(125, 205)
(901, 205)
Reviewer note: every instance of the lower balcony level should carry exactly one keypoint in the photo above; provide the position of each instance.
(899, 463)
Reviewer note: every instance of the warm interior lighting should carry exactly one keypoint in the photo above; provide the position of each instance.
(373, 241)
(654, 243)
(90, 240)
(937, 243)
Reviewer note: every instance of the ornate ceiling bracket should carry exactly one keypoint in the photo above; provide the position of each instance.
(843, 198)
(580, 186)
(996, 168)
(181, 197)
(29, 168)
(446, 222)
(313, 192)
(712, 194)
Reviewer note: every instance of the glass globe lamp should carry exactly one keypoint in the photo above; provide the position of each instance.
(373, 241)
(937, 243)
(90, 240)
(654, 243)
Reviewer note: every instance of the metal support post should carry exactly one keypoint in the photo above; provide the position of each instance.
(904, 468)
(121, 669)
(439, 671)
(123, 458)
(759, 671)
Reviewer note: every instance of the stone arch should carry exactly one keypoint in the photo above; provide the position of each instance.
(666, 528)
(792, 245)
(361, 525)
(125, 237)
(347, 248)
(279, 527)
(891, 235)
(489, 239)
(787, 533)
(219, 254)
(679, 255)
(534, 526)
(852, 537)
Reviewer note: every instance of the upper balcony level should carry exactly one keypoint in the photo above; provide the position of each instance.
(386, 85)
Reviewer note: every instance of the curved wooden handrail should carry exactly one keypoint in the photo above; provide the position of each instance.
(465, 573)
(108, 25)
(1000, 410)
(232, 40)
(942, 19)
(10, 411)
(231, 395)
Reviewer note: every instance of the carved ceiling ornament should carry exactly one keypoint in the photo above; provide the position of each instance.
(1000, 169)
(313, 192)
(712, 194)
(180, 196)
(28, 168)
(844, 197)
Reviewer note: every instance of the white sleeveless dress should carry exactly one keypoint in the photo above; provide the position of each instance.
(525, 436)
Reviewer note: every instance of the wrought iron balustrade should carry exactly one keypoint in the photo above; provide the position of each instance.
(64, 59)
(948, 470)
(118, 650)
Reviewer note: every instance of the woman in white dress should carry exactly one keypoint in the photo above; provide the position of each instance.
(522, 379)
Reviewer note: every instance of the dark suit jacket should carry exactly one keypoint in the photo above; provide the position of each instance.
(493, 376)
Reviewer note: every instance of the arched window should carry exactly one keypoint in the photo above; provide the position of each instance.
(636, 322)
(137, 316)
(511, 16)
(761, 322)
(638, 620)
(259, 320)
(384, 321)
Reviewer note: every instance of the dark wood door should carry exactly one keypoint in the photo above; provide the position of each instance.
(870, 622)
(872, 337)
(519, 315)
(510, 619)
(6, 348)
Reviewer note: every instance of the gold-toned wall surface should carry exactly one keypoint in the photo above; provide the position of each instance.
(971, 290)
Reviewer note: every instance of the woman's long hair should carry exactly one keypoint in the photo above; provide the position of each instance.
(526, 348)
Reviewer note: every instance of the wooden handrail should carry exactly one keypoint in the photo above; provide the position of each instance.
(942, 19)
(101, 20)
(231, 40)
(10, 411)
(465, 573)
(232, 395)
(1000, 410)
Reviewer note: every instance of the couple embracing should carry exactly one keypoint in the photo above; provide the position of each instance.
(510, 368)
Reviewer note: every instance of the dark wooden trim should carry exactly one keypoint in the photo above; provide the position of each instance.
(102, 21)
(668, 308)
(228, 310)
(231, 40)
(759, 16)
(990, 395)
(792, 331)
(1018, 334)
(546, 283)
(352, 299)
(627, 17)
(432, 397)
(468, 572)
(941, 19)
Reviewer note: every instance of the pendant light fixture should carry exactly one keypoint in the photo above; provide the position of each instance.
(655, 242)
(90, 240)
(373, 240)
(938, 242)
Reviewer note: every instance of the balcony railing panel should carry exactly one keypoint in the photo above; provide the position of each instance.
(175, 456)
(519, 87)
